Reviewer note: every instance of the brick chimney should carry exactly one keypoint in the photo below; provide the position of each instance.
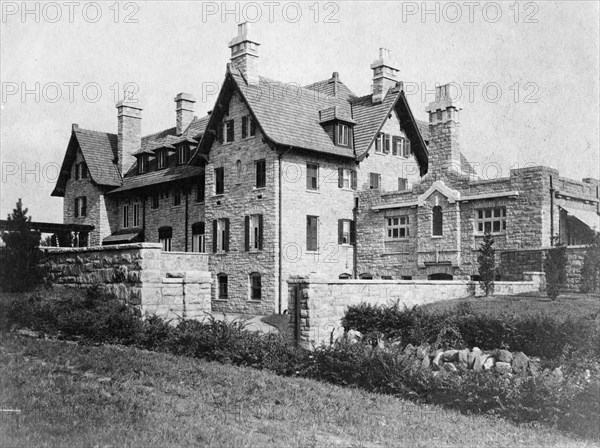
(385, 75)
(244, 54)
(444, 127)
(129, 116)
(184, 111)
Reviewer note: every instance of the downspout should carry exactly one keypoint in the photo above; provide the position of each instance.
(551, 212)
(279, 230)
(186, 219)
(355, 248)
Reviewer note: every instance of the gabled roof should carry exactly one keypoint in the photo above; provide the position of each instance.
(327, 87)
(99, 150)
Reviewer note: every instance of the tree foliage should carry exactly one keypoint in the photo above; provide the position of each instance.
(19, 262)
(487, 264)
(590, 271)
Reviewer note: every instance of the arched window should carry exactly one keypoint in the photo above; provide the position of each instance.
(165, 235)
(365, 276)
(255, 286)
(438, 221)
(345, 276)
(222, 287)
(198, 240)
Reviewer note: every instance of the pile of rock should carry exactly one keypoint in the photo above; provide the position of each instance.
(500, 361)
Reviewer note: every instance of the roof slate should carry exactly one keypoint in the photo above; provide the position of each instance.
(99, 151)
(162, 176)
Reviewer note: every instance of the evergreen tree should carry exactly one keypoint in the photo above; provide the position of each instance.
(21, 254)
(555, 268)
(590, 271)
(487, 264)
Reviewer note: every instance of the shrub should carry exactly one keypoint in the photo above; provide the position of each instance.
(487, 264)
(590, 271)
(555, 269)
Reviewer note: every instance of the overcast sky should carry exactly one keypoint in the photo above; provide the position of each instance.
(528, 72)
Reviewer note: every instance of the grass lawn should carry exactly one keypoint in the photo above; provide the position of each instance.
(77, 396)
(573, 304)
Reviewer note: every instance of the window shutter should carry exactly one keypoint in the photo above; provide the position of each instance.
(340, 177)
(354, 180)
(215, 236)
(226, 242)
(260, 232)
(84, 206)
(76, 207)
(246, 233)
(340, 231)
(244, 127)
(308, 179)
(352, 232)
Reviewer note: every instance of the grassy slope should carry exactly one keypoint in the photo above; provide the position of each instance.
(566, 304)
(89, 396)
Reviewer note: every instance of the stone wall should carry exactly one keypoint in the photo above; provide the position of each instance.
(323, 301)
(514, 262)
(167, 284)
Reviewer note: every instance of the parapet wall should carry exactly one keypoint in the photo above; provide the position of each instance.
(323, 302)
(167, 284)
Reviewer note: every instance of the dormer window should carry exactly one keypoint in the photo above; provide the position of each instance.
(342, 135)
(161, 158)
(182, 154)
(142, 163)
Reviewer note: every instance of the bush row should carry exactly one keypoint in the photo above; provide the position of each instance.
(571, 404)
(536, 335)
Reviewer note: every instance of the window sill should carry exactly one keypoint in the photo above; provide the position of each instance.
(313, 191)
(393, 240)
(259, 188)
(437, 237)
(218, 196)
(481, 235)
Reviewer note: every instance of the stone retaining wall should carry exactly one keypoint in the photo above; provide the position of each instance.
(323, 302)
(167, 284)
(514, 262)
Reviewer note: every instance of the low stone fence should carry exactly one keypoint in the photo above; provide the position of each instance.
(514, 262)
(169, 284)
(316, 303)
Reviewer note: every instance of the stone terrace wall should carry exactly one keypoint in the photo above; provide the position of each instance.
(323, 302)
(167, 284)
(514, 262)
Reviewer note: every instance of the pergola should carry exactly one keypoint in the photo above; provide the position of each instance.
(81, 231)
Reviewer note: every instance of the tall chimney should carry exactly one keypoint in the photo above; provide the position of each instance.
(444, 127)
(385, 75)
(184, 110)
(129, 115)
(244, 54)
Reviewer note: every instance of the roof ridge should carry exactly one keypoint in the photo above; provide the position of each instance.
(79, 129)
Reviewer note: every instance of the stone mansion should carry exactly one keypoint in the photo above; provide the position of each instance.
(278, 181)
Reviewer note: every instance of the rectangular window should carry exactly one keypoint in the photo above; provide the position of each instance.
(261, 173)
(198, 238)
(402, 184)
(253, 232)
(374, 181)
(312, 240)
(80, 207)
(255, 286)
(407, 148)
(200, 192)
(386, 143)
(136, 215)
(229, 130)
(395, 141)
(177, 197)
(245, 126)
(346, 231)
(491, 220)
(182, 154)
(155, 200)
(162, 158)
(252, 126)
(221, 235)
(312, 176)
(397, 227)
(142, 163)
(77, 167)
(84, 170)
(222, 282)
(342, 135)
(166, 244)
(125, 216)
(379, 142)
(219, 180)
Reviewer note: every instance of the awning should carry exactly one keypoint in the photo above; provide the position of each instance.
(123, 238)
(589, 218)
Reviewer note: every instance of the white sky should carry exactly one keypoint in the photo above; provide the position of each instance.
(548, 54)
